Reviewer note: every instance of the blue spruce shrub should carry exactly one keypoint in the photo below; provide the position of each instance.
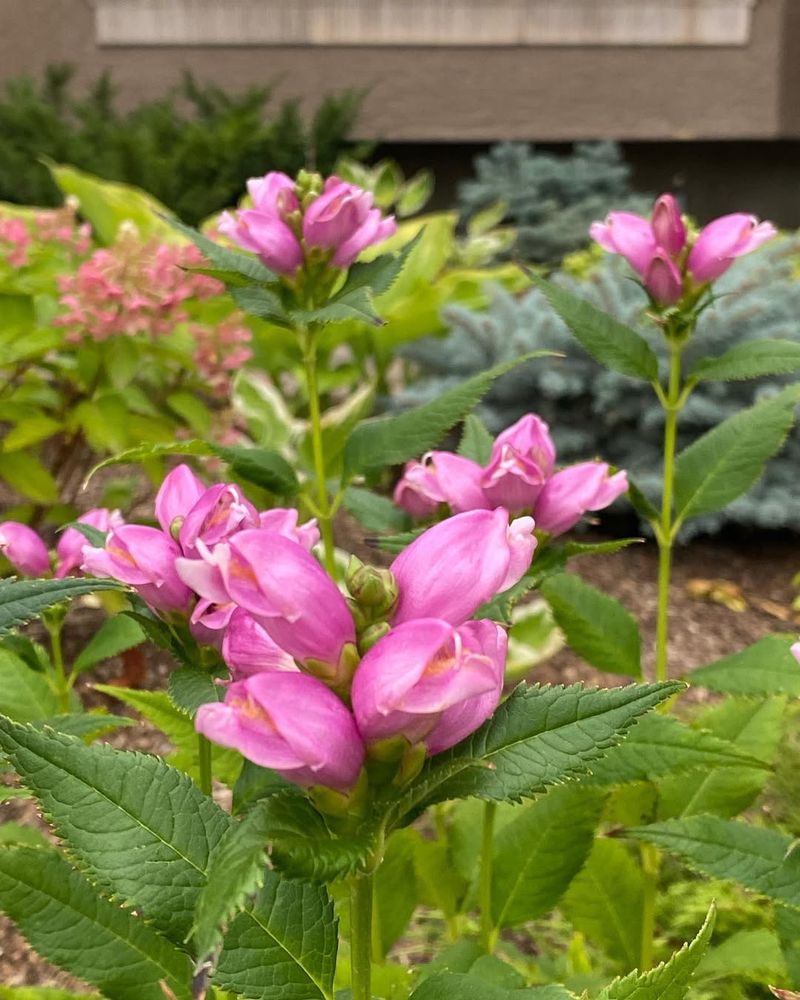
(552, 199)
(596, 413)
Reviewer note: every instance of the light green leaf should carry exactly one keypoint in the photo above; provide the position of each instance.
(87, 726)
(144, 452)
(610, 342)
(749, 360)
(396, 894)
(22, 836)
(439, 885)
(101, 805)
(755, 955)
(23, 600)
(757, 858)
(43, 993)
(192, 410)
(375, 512)
(415, 194)
(64, 919)
(606, 901)
(458, 986)
(25, 694)
(30, 431)
(659, 745)
(727, 460)
(540, 851)
(476, 441)
(766, 667)
(389, 440)
(114, 636)
(595, 625)
(26, 474)
(538, 737)
(668, 981)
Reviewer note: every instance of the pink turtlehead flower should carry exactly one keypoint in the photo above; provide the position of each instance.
(663, 280)
(247, 648)
(723, 240)
(573, 491)
(145, 559)
(24, 549)
(629, 235)
(441, 477)
(343, 219)
(795, 649)
(178, 493)
(291, 723)
(284, 520)
(668, 226)
(522, 459)
(264, 229)
(69, 551)
(430, 682)
(460, 563)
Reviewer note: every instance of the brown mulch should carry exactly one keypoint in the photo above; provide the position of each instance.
(761, 568)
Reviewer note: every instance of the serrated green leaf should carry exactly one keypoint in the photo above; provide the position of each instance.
(283, 947)
(727, 460)
(458, 986)
(189, 688)
(641, 504)
(668, 981)
(23, 600)
(235, 872)
(101, 805)
(263, 467)
(754, 954)
(549, 562)
(476, 441)
(658, 745)
(757, 858)
(390, 440)
(595, 625)
(114, 636)
(143, 453)
(86, 726)
(93, 535)
(766, 667)
(376, 276)
(610, 342)
(64, 919)
(755, 728)
(606, 901)
(538, 737)
(259, 302)
(25, 694)
(375, 512)
(540, 851)
(240, 264)
(752, 359)
(253, 784)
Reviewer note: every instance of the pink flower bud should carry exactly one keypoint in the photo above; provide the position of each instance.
(248, 649)
(273, 194)
(179, 492)
(459, 564)
(795, 650)
(668, 226)
(723, 240)
(418, 490)
(441, 477)
(662, 279)
(289, 722)
(629, 235)
(522, 458)
(342, 219)
(24, 549)
(144, 558)
(220, 511)
(570, 493)
(72, 543)
(428, 681)
(290, 595)
(265, 235)
(284, 521)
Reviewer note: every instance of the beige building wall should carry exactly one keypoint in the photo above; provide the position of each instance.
(453, 92)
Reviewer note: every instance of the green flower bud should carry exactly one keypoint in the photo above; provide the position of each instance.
(373, 634)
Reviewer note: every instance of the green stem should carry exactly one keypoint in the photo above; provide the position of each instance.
(323, 500)
(361, 887)
(651, 863)
(665, 535)
(54, 626)
(204, 758)
(488, 931)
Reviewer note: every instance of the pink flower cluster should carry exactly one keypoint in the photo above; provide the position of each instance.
(309, 696)
(18, 236)
(130, 288)
(28, 554)
(520, 476)
(667, 261)
(220, 350)
(341, 221)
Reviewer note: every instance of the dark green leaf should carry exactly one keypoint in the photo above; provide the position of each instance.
(189, 688)
(92, 535)
(253, 784)
(241, 264)
(375, 512)
(752, 359)
(476, 441)
(261, 302)
(23, 600)
(263, 467)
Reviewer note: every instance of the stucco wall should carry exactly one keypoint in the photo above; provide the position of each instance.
(480, 94)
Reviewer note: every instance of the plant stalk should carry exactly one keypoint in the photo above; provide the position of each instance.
(361, 889)
(204, 760)
(488, 931)
(323, 500)
(651, 864)
(54, 626)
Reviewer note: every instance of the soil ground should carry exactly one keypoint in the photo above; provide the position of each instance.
(757, 573)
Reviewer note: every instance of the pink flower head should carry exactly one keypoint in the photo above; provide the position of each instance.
(441, 477)
(573, 491)
(418, 490)
(522, 459)
(264, 229)
(343, 219)
(220, 511)
(459, 564)
(723, 240)
(668, 227)
(24, 549)
(144, 558)
(179, 492)
(289, 722)
(663, 280)
(14, 241)
(629, 235)
(284, 521)
(248, 649)
(795, 650)
(428, 681)
(72, 543)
